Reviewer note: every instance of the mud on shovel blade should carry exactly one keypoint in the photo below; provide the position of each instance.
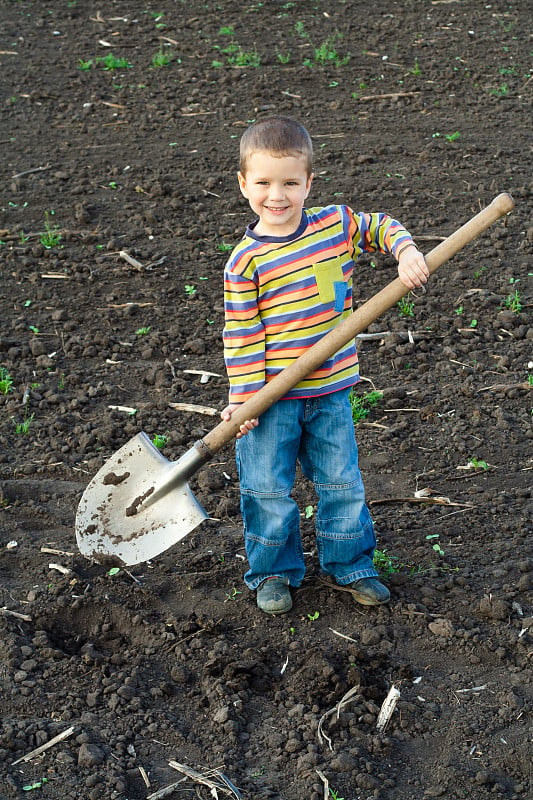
(138, 505)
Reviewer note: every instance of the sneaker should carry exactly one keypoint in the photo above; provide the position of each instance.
(274, 596)
(370, 592)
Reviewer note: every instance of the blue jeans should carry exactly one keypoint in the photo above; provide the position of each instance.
(319, 433)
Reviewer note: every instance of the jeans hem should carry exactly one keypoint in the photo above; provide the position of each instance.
(356, 576)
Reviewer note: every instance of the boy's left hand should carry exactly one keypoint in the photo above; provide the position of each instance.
(412, 268)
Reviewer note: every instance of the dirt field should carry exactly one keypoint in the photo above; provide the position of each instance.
(421, 109)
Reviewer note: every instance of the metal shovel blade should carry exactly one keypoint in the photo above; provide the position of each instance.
(117, 525)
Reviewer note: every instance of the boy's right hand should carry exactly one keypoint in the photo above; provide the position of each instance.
(247, 426)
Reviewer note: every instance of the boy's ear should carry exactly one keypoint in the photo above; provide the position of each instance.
(242, 184)
(308, 184)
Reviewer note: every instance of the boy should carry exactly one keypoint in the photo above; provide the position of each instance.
(287, 283)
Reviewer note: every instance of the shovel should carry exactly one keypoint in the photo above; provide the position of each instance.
(139, 503)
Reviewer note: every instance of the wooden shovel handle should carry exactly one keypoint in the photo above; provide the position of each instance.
(358, 321)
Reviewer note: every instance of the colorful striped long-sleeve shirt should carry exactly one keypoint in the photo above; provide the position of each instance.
(283, 294)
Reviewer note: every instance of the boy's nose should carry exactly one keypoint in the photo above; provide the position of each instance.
(276, 192)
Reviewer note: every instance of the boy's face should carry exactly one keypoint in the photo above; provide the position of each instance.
(276, 188)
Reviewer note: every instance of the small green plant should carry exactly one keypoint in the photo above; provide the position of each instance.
(436, 547)
(22, 428)
(162, 58)
(326, 54)
(477, 463)
(415, 70)
(514, 302)
(160, 440)
(6, 381)
(309, 511)
(314, 616)
(384, 563)
(473, 323)
(232, 595)
(143, 331)
(361, 405)
(111, 62)
(283, 58)
(459, 310)
(224, 247)
(190, 290)
(479, 272)
(23, 238)
(452, 137)
(85, 66)
(35, 785)
(500, 91)
(113, 571)
(51, 237)
(406, 307)
(299, 28)
(335, 795)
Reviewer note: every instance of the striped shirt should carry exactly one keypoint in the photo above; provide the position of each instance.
(283, 294)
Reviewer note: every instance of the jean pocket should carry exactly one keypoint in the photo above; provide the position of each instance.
(330, 281)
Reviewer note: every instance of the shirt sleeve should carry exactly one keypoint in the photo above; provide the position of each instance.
(378, 232)
(243, 335)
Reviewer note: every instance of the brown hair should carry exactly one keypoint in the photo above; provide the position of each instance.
(280, 136)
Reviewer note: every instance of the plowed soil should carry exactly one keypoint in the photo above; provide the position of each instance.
(119, 203)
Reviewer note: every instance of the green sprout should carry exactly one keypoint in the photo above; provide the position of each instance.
(113, 571)
(161, 58)
(436, 547)
(35, 785)
(406, 307)
(335, 795)
(452, 137)
(6, 381)
(143, 331)
(84, 66)
(478, 463)
(111, 62)
(190, 290)
(514, 302)
(385, 563)
(51, 237)
(160, 440)
(314, 616)
(361, 405)
(224, 247)
(232, 595)
(22, 428)
(309, 511)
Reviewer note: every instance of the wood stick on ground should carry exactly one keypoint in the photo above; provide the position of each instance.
(345, 699)
(226, 787)
(53, 552)
(502, 387)
(437, 501)
(30, 171)
(385, 96)
(325, 782)
(132, 261)
(38, 750)
(207, 410)
(165, 791)
(15, 614)
(387, 708)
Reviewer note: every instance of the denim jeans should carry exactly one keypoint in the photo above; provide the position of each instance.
(318, 433)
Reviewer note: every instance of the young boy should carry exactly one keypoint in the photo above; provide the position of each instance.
(287, 283)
